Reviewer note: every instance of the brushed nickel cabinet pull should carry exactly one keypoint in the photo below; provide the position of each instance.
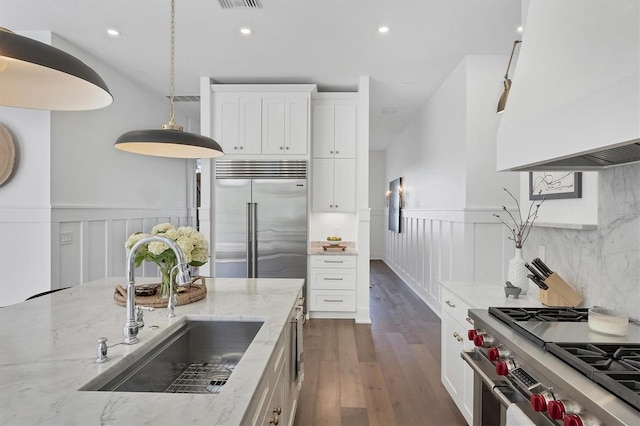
(333, 300)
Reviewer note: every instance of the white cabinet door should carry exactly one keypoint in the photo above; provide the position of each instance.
(323, 131)
(344, 197)
(296, 131)
(346, 120)
(322, 185)
(452, 374)
(227, 122)
(250, 141)
(273, 125)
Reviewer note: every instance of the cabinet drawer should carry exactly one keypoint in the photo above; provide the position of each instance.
(327, 279)
(455, 307)
(333, 261)
(333, 300)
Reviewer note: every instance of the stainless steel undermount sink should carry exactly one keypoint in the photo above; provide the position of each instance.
(199, 357)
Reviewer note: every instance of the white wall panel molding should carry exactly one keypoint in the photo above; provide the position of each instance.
(441, 245)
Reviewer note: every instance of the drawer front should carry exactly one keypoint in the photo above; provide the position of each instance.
(333, 300)
(454, 306)
(333, 261)
(327, 279)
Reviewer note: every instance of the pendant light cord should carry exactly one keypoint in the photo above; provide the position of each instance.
(172, 120)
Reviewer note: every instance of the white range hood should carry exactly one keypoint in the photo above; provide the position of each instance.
(575, 99)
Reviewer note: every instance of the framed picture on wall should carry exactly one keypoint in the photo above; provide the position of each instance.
(555, 185)
(395, 204)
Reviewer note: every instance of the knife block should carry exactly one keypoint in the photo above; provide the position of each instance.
(559, 293)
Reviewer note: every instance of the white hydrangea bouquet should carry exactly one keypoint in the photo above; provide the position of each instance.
(193, 244)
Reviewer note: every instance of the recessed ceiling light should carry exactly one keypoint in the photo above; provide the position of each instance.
(113, 32)
(245, 31)
(383, 29)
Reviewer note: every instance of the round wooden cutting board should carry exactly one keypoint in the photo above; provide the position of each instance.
(7, 154)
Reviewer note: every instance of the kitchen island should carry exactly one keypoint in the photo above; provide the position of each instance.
(49, 345)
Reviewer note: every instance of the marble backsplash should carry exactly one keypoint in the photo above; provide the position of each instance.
(601, 264)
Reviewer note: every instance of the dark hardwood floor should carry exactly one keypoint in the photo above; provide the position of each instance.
(384, 373)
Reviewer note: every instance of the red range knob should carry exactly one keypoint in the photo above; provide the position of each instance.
(493, 353)
(471, 334)
(483, 340)
(502, 368)
(538, 402)
(555, 409)
(572, 420)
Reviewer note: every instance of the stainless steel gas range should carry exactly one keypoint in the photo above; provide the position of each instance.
(553, 367)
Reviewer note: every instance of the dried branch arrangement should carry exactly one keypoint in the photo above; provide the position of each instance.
(519, 227)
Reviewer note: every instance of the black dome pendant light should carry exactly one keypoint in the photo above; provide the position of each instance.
(171, 140)
(39, 76)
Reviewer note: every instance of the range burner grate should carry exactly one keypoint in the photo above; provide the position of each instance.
(509, 315)
(613, 366)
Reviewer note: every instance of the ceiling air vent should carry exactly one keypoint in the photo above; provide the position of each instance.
(240, 4)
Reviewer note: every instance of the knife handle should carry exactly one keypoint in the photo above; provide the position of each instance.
(534, 272)
(537, 282)
(542, 266)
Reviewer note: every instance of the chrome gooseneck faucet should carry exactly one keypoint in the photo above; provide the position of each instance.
(131, 326)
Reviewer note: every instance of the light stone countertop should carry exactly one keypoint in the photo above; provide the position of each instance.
(315, 247)
(49, 345)
(484, 295)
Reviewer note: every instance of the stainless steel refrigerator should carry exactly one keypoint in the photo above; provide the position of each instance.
(261, 219)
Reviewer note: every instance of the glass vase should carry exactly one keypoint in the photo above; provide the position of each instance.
(518, 273)
(167, 280)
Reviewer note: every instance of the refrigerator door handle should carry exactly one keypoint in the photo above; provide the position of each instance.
(252, 241)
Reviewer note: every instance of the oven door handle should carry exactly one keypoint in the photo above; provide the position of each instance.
(467, 356)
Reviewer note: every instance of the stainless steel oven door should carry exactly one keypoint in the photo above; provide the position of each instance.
(493, 394)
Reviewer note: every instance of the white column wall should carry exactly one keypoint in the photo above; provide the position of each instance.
(446, 157)
(377, 189)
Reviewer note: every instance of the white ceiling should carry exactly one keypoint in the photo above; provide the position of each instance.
(327, 42)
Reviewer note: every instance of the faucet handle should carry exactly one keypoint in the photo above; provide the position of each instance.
(139, 317)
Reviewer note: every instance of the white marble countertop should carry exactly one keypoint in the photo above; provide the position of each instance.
(484, 295)
(49, 345)
(316, 247)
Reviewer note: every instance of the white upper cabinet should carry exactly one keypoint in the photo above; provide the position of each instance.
(575, 86)
(334, 129)
(238, 123)
(334, 185)
(285, 124)
(262, 120)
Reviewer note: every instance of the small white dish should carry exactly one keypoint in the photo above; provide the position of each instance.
(607, 321)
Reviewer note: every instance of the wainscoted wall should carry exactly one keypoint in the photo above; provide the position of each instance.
(88, 242)
(436, 245)
(602, 264)
(66, 246)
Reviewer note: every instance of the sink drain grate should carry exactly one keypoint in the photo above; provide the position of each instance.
(202, 378)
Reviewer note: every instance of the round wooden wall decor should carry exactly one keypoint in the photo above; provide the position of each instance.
(7, 154)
